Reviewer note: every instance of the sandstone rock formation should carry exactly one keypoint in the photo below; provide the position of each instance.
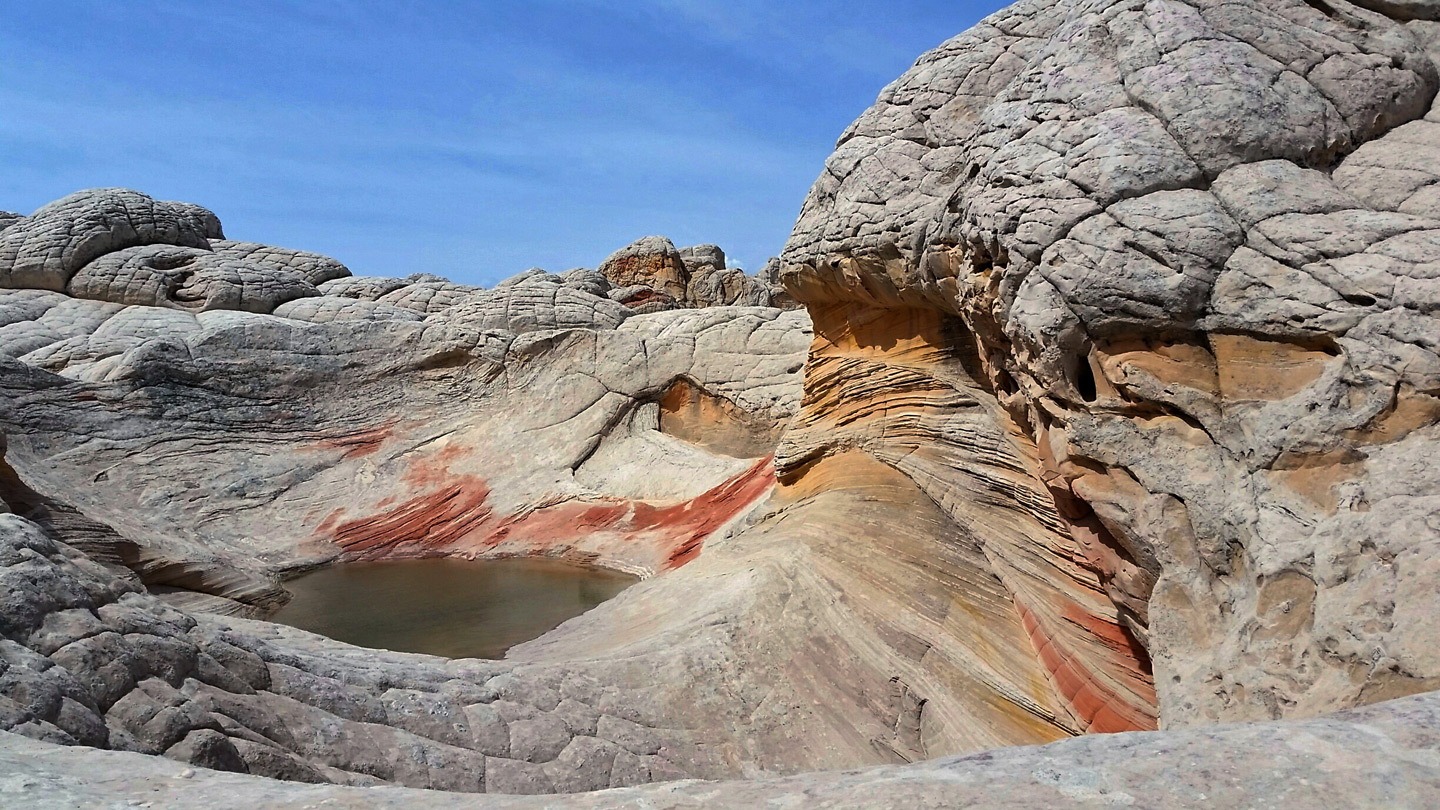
(1110, 410)
(165, 458)
(651, 275)
(712, 284)
(1206, 341)
(651, 262)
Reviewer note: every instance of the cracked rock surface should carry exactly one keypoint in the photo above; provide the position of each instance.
(1175, 255)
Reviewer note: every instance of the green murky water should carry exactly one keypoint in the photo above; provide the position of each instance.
(454, 608)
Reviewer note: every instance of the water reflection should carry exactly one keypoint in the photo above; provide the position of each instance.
(454, 608)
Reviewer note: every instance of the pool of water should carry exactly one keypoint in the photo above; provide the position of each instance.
(454, 608)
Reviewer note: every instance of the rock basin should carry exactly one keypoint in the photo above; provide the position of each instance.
(443, 606)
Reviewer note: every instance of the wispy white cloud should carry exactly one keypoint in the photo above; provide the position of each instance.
(470, 139)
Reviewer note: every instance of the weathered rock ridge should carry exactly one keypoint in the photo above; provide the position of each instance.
(1110, 409)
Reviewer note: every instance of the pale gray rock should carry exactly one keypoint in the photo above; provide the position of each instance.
(1255, 192)
(191, 278)
(770, 273)
(538, 739)
(315, 268)
(331, 308)
(149, 275)
(1380, 756)
(208, 748)
(698, 256)
(581, 279)
(18, 306)
(364, 288)
(126, 329)
(710, 286)
(222, 283)
(60, 319)
(1397, 172)
(586, 280)
(209, 223)
(533, 306)
(531, 276)
(427, 297)
(43, 250)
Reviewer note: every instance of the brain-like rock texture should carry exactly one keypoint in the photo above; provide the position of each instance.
(190, 278)
(364, 288)
(1111, 409)
(315, 269)
(713, 284)
(1169, 251)
(43, 250)
(427, 297)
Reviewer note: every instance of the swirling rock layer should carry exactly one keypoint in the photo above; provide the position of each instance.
(1189, 320)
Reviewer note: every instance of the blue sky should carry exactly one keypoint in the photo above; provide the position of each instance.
(472, 140)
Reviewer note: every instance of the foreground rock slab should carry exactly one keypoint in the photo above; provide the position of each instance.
(1381, 756)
